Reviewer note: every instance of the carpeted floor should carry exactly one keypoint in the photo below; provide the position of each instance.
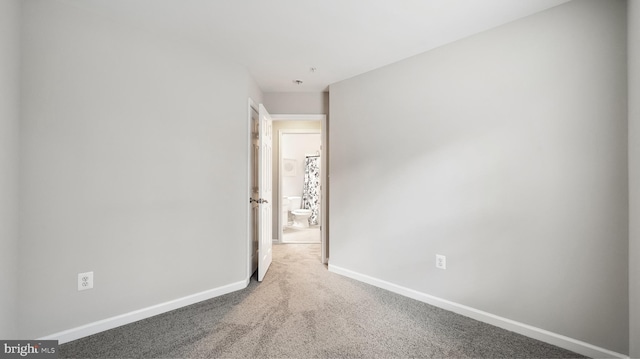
(301, 235)
(303, 311)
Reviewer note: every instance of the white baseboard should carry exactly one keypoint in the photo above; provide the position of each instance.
(119, 320)
(508, 324)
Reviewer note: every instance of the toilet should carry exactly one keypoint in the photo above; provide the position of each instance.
(300, 216)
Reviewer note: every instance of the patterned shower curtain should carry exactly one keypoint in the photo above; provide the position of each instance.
(311, 189)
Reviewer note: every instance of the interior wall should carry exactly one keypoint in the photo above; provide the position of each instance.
(9, 115)
(507, 153)
(297, 102)
(134, 160)
(255, 93)
(277, 126)
(634, 175)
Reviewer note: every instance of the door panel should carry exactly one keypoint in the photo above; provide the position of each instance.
(265, 192)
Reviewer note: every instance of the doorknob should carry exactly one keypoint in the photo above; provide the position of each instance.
(258, 201)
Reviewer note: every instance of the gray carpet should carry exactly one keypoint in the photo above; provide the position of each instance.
(303, 311)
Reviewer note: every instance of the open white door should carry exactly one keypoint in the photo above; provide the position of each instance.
(265, 192)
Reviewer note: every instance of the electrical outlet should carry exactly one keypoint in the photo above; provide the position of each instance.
(441, 261)
(85, 281)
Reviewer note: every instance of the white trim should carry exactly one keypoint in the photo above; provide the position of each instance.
(284, 117)
(136, 315)
(324, 193)
(546, 336)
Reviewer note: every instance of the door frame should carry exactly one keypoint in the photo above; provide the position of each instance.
(324, 168)
(293, 131)
(324, 212)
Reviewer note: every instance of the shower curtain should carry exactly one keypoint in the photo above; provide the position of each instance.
(311, 189)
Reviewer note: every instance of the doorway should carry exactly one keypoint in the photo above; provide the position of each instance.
(299, 181)
(302, 122)
(253, 174)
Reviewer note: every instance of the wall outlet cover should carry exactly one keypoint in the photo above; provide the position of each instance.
(85, 281)
(441, 261)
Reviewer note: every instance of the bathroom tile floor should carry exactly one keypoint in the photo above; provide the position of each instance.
(301, 235)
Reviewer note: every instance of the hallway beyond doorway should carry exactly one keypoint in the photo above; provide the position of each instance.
(301, 235)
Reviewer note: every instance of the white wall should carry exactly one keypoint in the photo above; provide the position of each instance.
(297, 102)
(9, 114)
(296, 146)
(134, 151)
(634, 175)
(255, 93)
(506, 152)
